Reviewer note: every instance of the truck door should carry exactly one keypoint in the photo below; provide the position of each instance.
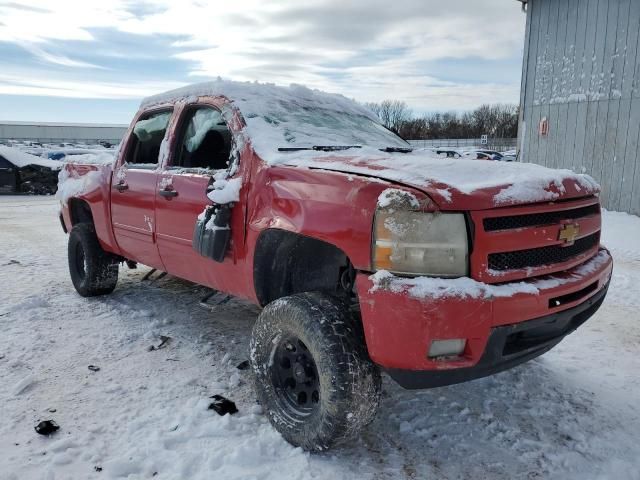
(134, 186)
(202, 148)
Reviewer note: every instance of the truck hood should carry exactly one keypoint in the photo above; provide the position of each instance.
(459, 184)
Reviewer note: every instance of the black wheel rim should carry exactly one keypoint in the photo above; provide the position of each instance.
(295, 377)
(80, 260)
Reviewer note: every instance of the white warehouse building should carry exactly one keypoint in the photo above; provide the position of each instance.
(89, 133)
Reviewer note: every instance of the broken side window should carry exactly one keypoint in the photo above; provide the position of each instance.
(148, 134)
(205, 141)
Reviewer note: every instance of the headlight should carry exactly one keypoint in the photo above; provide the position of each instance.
(420, 243)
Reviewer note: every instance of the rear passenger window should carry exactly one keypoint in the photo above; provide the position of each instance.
(148, 134)
(205, 141)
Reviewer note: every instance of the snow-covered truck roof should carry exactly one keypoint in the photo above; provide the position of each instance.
(22, 159)
(291, 117)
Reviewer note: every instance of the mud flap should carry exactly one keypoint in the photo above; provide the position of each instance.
(211, 235)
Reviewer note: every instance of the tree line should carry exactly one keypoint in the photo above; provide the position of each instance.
(497, 121)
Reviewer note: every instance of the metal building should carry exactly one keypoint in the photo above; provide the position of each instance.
(62, 132)
(580, 100)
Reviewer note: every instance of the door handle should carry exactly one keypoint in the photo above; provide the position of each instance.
(168, 193)
(121, 187)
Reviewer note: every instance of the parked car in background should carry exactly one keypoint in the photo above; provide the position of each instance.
(469, 153)
(509, 156)
(482, 154)
(21, 172)
(448, 152)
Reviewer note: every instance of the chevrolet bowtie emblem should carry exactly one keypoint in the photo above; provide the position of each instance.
(569, 232)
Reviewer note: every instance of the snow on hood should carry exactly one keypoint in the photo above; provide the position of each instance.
(456, 183)
(21, 159)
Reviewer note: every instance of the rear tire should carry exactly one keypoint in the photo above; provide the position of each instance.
(93, 271)
(312, 372)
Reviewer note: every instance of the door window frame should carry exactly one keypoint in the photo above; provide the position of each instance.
(124, 154)
(186, 113)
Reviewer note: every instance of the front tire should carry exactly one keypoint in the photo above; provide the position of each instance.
(93, 271)
(312, 372)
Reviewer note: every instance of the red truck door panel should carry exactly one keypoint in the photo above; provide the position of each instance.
(176, 217)
(202, 147)
(133, 191)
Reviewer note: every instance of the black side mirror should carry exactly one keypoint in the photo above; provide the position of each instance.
(212, 233)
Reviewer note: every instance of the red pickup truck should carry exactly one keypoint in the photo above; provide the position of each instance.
(365, 255)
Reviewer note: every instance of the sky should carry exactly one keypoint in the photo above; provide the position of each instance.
(93, 61)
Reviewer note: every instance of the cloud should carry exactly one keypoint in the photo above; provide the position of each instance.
(11, 84)
(57, 59)
(430, 53)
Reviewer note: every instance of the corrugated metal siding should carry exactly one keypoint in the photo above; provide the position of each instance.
(582, 72)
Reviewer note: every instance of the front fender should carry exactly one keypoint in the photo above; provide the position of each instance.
(88, 183)
(334, 207)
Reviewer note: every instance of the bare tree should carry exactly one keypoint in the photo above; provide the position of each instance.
(393, 113)
(497, 121)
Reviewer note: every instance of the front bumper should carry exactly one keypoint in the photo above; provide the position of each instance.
(501, 330)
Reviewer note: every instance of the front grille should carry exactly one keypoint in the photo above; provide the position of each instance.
(536, 219)
(538, 257)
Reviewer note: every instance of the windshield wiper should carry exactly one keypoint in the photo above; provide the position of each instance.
(396, 149)
(319, 148)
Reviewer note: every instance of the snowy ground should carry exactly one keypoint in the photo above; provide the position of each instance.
(574, 413)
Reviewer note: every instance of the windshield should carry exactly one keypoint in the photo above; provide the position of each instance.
(316, 126)
(290, 126)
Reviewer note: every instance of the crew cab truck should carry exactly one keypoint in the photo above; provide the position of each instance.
(366, 256)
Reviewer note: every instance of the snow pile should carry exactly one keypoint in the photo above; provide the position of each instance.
(22, 159)
(70, 184)
(225, 190)
(433, 288)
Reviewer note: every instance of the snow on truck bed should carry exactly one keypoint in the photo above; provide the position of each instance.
(298, 117)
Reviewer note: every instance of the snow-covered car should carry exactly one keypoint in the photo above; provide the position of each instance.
(482, 154)
(21, 172)
(509, 156)
(448, 152)
(366, 256)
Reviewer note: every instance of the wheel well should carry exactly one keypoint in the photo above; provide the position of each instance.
(80, 212)
(286, 263)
